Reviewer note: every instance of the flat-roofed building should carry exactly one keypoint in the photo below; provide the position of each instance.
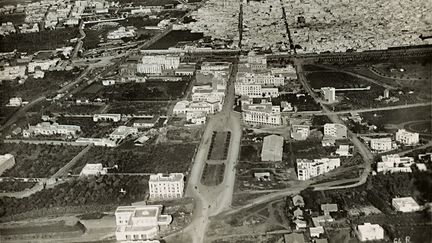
(214, 66)
(370, 232)
(381, 144)
(334, 130)
(405, 204)
(107, 117)
(155, 64)
(7, 161)
(300, 132)
(272, 149)
(48, 129)
(139, 222)
(261, 114)
(166, 186)
(407, 138)
(394, 163)
(93, 170)
(122, 132)
(329, 94)
(307, 169)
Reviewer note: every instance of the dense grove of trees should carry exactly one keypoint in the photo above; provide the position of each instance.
(37, 160)
(81, 191)
(42, 40)
(160, 158)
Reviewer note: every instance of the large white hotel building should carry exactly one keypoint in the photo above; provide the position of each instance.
(166, 186)
(307, 169)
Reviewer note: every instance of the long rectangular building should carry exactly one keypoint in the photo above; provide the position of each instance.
(261, 114)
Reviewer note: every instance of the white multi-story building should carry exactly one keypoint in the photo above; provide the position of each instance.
(166, 186)
(307, 169)
(7, 161)
(381, 144)
(334, 130)
(263, 78)
(370, 232)
(405, 204)
(135, 223)
(407, 138)
(156, 64)
(395, 163)
(256, 90)
(46, 128)
(329, 94)
(180, 107)
(261, 114)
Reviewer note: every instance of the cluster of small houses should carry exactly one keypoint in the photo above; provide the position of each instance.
(316, 228)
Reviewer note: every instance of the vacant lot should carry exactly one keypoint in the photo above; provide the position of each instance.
(416, 119)
(335, 79)
(160, 158)
(43, 40)
(37, 160)
(70, 108)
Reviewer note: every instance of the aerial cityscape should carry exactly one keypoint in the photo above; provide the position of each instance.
(216, 121)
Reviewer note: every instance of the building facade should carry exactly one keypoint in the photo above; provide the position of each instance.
(407, 138)
(394, 163)
(166, 186)
(334, 130)
(261, 114)
(139, 222)
(307, 169)
(381, 144)
(329, 94)
(48, 129)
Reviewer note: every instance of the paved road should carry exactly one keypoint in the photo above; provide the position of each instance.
(212, 200)
(386, 108)
(21, 112)
(361, 147)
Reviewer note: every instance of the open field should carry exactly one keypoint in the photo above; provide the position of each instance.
(37, 160)
(160, 158)
(416, 120)
(335, 79)
(43, 40)
(242, 226)
(16, 18)
(151, 90)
